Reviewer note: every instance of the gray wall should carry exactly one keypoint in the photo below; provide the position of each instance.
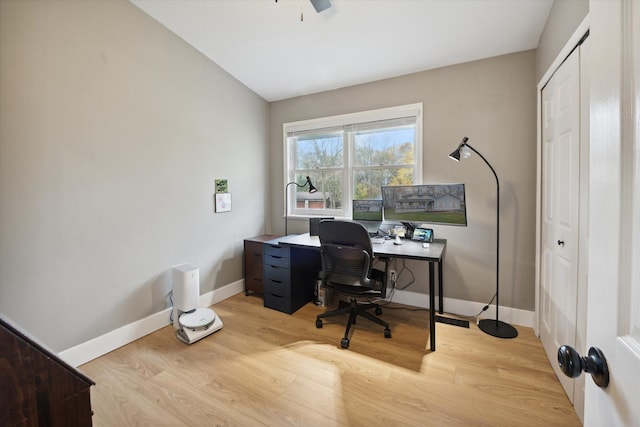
(564, 17)
(493, 102)
(112, 132)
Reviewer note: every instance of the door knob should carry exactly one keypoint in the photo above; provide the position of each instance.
(595, 364)
(561, 242)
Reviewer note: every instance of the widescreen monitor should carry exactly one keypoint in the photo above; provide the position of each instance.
(432, 204)
(367, 210)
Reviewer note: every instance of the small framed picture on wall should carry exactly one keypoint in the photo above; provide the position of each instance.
(223, 202)
(222, 186)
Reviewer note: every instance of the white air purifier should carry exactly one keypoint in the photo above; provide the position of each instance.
(191, 323)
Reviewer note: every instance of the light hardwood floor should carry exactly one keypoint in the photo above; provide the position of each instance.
(267, 368)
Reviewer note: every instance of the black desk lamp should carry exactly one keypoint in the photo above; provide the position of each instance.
(496, 327)
(312, 189)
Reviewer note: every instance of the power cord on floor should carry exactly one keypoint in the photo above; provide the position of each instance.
(389, 299)
(171, 312)
(385, 302)
(485, 308)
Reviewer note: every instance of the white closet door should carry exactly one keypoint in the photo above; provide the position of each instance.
(560, 212)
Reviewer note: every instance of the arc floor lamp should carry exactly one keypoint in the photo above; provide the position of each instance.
(312, 189)
(496, 327)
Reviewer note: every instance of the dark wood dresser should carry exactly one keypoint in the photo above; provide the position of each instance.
(39, 388)
(253, 263)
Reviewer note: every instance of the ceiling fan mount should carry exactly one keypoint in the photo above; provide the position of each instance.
(319, 5)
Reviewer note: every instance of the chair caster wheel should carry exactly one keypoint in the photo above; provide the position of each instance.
(344, 343)
(318, 323)
(378, 311)
(387, 333)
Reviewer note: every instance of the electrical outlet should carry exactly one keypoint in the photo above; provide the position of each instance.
(392, 276)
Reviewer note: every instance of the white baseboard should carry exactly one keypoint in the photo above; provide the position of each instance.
(467, 308)
(221, 294)
(99, 346)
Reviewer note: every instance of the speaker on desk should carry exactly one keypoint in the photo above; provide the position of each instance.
(313, 225)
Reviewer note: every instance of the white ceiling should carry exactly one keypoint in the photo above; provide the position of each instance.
(267, 47)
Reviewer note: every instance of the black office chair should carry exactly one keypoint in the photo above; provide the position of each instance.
(347, 258)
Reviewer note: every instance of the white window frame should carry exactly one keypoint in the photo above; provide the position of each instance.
(409, 110)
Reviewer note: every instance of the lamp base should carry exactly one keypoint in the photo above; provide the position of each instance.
(497, 328)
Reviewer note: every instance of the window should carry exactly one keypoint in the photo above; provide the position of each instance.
(351, 157)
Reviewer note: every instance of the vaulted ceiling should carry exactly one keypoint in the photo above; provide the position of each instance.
(285, 49)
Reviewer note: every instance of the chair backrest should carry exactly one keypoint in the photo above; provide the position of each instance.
(346, 253)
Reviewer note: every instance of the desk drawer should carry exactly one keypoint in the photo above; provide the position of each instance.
(253, 280)
(278, 251)
(276, 287)
(276, 255)
(275, 273)
(278, 302)
(253, 257)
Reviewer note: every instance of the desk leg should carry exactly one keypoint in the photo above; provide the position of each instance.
(432, 307)
(440, 296)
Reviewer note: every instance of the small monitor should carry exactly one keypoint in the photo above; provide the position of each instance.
(423, 235)
(367, 210)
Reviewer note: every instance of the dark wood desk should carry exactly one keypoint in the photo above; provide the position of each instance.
(434, 254)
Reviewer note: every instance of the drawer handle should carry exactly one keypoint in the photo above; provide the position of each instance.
(276, 281)
(275, 256)
(276, 295)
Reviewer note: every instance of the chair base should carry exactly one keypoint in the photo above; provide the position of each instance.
(354, 310)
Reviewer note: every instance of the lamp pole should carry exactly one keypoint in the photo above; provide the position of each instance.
(495, 327)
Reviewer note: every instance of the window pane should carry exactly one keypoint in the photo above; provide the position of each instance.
(384, 147)
(319, 152)
(367, 182)
(329, 184)
(304, 199)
